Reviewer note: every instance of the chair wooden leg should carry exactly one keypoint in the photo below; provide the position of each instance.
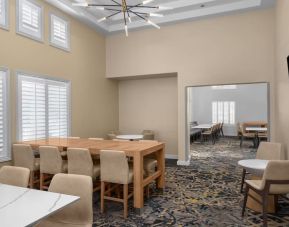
(276, 197)
(265, 206)
(241, 141)
(125, 200)
(41, 181)
(102, 190)
(31, 180)
(245, 200)
(243, 180)
(147, 188)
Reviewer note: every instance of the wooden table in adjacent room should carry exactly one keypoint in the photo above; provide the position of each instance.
(137, 150)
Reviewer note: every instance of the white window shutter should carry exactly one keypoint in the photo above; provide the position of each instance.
(30, 18)
(59, 32)
(4, 14)
(4, 133)
(58, 116)
(43, 108)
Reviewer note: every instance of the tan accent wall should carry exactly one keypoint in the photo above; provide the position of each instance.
(282, 79)
(94, 98)
(150, 104)
(228, 49)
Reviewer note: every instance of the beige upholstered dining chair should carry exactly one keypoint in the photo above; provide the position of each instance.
(115, 169)
(148, 135)
(245, 134)
(51, 163)
(266, 151)
(16, 176)
(23, 156)
(275, 182)
(78, 214)
(120, 140)
(150, 161)
(80, 162)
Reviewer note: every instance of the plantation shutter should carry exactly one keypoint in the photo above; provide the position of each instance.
(4, 135)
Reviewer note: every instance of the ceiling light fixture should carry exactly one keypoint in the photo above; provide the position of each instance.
(137, 10)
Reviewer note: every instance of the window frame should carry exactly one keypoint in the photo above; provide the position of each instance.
(6, 9)
(8, 155)
(18, 97)
(20, 31)
(68, 35)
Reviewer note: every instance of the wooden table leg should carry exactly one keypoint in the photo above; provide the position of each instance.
(138, 182)
(161, 166)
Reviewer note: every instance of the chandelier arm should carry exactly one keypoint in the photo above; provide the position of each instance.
(116, 10)
(116, 2)
(113, 15)
(135, 13)
(104, 5)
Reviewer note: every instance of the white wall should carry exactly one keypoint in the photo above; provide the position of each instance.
(150, 104)
(251, 104)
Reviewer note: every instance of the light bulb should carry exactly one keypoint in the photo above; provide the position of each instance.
(153, 24)
(156, 15)
(101, 19)
(126, 31)
(147, 2)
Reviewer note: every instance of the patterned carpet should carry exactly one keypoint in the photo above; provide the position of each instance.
(206, 193)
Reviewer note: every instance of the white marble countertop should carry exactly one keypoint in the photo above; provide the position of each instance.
(254, 166)
(21, 207)
(130, 137)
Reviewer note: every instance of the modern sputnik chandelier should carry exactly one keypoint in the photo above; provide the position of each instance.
(117, 8)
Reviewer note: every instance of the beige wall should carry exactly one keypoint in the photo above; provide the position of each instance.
(94, 98)
(150, 104)
(282, 81)
(227, 49)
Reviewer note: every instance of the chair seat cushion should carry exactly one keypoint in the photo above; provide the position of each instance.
(36, 164)
(48, 223)
(63, 153)
(150, 165)
(274, 189)
(96, 171)
(64, 166)
(130, 175)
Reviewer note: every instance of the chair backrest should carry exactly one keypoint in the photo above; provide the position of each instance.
(95, 138)
(148, 134)
(14, 175)
(50, 160)
(270, 151)
(23, 156)
(111, 136)
(80, 212)
(276, 170)
(79, 161)
(114, 167)
(73, 137)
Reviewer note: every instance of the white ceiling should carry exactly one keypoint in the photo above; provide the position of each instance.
(181, 10)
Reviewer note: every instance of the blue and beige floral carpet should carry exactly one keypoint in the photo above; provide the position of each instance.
(206, 193)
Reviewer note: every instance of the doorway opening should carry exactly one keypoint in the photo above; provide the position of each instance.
(227, 116)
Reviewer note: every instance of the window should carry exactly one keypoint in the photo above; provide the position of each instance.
(4, 116)
(224, 87)
(30, 19)
(4, 14)
(223, 112)
(43, 108)
(59, 32)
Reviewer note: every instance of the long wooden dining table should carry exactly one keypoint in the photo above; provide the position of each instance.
(135, 149)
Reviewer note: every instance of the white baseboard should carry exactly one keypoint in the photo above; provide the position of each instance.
(171, 156)
(183, 163)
